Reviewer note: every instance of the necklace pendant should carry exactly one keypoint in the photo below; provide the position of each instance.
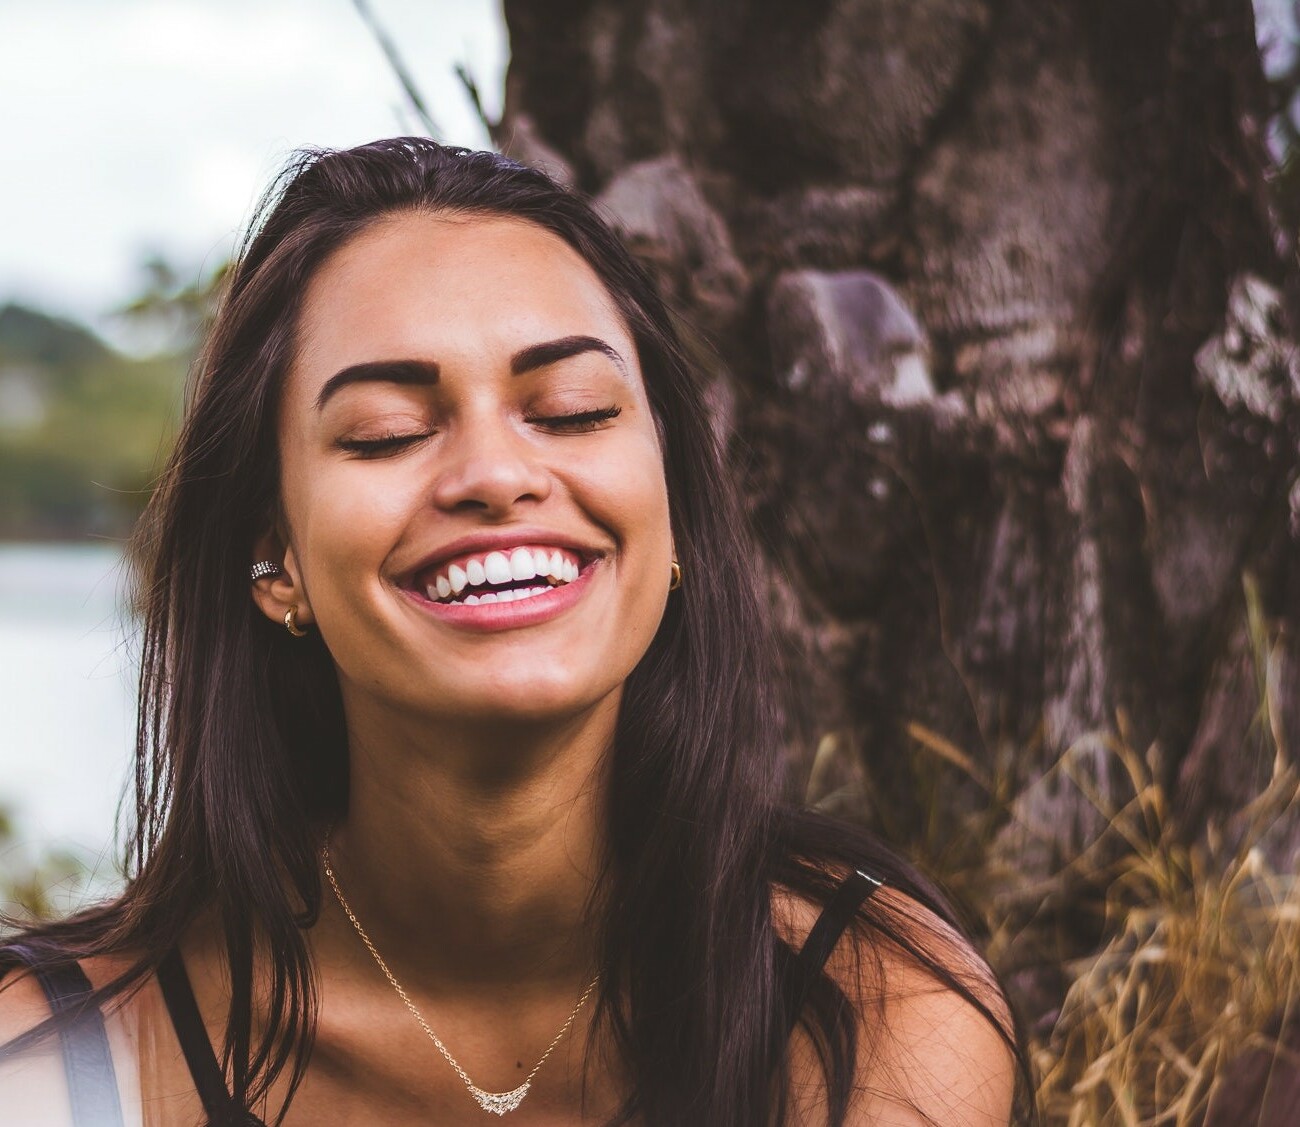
(498, 1103)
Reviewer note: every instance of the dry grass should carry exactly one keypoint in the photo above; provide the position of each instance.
(1194, 950)
(1201, 955)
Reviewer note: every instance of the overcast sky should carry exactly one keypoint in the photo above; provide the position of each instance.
(134, 126)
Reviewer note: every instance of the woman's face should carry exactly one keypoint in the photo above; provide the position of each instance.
(473, 491)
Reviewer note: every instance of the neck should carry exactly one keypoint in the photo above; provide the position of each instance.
(471, 858)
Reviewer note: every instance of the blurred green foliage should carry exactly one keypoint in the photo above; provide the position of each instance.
(35, 888)
(173, 307)
(84, 427)
(82, 430)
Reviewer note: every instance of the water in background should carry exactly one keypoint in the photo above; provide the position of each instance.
(67, 699)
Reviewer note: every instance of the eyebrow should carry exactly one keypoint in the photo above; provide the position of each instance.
(552, 351)
(425, 373)
(421, 373)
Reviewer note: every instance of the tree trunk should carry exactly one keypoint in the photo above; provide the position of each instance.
(996, 315)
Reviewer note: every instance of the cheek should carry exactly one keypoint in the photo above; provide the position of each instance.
(629, 486)
(339, 516)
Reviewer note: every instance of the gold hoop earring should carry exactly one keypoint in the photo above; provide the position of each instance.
(291, 622)
(676, 571)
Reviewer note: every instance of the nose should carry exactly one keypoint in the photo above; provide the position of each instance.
(488, 465)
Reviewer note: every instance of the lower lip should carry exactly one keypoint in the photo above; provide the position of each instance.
(489, 617)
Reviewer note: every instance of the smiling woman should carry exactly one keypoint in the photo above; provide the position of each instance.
(459, 786)
(466, 396)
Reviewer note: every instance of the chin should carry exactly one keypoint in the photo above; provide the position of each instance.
(528, 703)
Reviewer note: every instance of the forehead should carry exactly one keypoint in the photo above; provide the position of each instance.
(448, 286)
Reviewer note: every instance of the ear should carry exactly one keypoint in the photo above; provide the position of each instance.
(275, 594)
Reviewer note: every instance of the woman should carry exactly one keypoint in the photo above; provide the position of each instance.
(466, 799)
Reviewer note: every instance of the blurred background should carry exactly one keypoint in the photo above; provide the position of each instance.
(997, 304)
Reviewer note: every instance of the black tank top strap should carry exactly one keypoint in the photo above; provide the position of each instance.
(209, 1082)
(83, 1040)
(854, 891)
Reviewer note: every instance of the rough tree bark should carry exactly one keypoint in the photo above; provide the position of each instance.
(997, 328)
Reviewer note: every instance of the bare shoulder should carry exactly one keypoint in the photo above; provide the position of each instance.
(32, 1085)
(22, 1004)
(926, 1054)
(33, 1080)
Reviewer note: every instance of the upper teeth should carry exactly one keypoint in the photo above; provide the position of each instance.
(496, 568)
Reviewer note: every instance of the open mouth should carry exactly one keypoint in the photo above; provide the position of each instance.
(501, 576)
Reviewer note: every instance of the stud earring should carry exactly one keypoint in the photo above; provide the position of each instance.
(675, 569)
(291, 622)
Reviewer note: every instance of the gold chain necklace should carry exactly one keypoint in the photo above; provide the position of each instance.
(498, 1103)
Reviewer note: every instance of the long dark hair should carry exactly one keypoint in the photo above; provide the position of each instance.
(241, 748)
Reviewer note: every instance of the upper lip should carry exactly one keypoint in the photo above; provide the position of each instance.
(499, 540)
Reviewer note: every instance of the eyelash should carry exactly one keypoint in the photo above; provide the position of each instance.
(375, 447)
(578, 423)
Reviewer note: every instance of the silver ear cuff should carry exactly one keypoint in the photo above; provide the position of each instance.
(264, 569)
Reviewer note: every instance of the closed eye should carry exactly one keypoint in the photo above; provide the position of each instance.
(578, 422)
(377, 447)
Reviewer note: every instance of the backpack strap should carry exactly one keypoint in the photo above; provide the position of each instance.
(83, 1039)
(209, 1081)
